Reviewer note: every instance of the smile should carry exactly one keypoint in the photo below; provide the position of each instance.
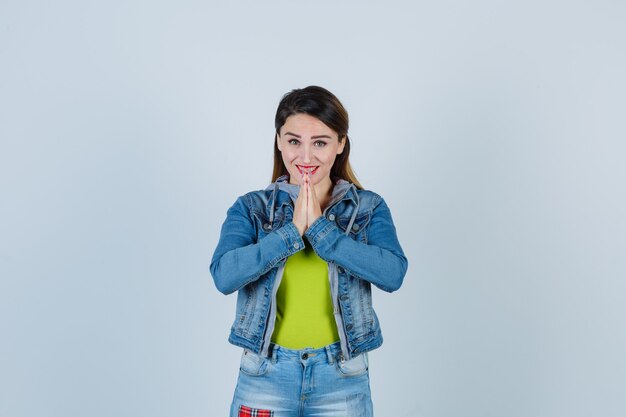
(311, 169)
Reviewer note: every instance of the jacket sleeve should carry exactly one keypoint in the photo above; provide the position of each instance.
(380, 261)
(239, 258)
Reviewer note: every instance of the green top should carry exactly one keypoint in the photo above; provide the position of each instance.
(304, 309)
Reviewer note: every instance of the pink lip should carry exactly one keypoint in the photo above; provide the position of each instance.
(310, 168)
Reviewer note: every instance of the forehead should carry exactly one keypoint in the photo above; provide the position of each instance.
(304, 124)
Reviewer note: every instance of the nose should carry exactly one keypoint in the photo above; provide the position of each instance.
(306, 156)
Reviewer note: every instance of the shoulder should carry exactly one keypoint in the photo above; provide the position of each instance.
(250, 202)
(258, 197)
(369, 199)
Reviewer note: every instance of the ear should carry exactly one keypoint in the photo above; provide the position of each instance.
(278, 144)
(342, 144)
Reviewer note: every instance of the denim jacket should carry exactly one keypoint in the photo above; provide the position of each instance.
(356, 237)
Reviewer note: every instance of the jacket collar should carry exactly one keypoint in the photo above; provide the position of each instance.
(341, 191)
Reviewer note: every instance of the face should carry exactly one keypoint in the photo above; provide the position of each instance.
(306, 143)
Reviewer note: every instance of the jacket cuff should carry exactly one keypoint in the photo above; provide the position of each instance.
(291, 237)
(318, 230)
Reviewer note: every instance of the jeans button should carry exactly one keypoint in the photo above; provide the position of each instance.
(305, 356)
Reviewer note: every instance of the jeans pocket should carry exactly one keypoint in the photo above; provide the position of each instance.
(253, 364)
(354, 367)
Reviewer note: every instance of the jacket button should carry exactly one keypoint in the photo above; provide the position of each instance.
(355, 227)
(340, 269)
(296, 245)
(267, 227)
(331, 217)
(349, 327)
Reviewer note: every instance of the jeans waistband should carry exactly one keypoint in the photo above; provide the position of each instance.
(329, 353)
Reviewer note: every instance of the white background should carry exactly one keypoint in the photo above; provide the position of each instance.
(494, 130)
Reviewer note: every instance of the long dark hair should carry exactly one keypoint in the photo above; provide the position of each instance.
(324, 106)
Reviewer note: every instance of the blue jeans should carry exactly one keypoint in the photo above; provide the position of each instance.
(303, 383)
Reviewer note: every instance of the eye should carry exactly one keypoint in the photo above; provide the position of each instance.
(320, 143)
(293, 141)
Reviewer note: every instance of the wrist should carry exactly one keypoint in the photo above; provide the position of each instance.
(301, 228)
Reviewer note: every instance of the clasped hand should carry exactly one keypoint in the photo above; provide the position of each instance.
(307, 208)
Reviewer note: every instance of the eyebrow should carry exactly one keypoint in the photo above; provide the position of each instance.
(312, 137)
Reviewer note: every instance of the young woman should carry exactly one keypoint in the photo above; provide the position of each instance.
(302, 255)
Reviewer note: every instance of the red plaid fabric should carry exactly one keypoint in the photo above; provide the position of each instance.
(254, 412)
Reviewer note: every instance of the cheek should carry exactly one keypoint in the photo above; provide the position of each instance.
(329, 157)
(284, 154)
(288, 158)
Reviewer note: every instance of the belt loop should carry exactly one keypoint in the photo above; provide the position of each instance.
(273, 356)
(329, 355)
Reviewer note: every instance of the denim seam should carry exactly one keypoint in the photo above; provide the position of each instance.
(315, 236)
(289, 234)
(272, 263)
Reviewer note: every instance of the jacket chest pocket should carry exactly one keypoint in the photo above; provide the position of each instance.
(358, 230)
(264, 226)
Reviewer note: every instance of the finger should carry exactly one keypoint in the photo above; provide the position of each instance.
(312, 192)
(308, 192)
(300, 218)
(313, 207)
